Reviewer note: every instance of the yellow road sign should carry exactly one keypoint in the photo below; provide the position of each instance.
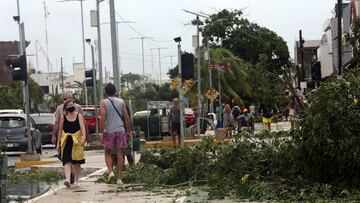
(212, 94)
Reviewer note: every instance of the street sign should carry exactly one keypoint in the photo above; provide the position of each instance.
(210, 66)
(189, 83)
(221, 66)
(212, 94)
(175, 83)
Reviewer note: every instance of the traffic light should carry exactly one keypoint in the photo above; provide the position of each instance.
(18, 67)
(187, 66)
(89, 78)
(316, 71)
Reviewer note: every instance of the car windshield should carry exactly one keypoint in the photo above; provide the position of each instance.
(89, 113)
(12, 122)
(42, 119)
(189, 111)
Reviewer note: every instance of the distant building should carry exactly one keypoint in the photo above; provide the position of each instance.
(310, 52)
(79, 72)
(325, 52)
(50, 83)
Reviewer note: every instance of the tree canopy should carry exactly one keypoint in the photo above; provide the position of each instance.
(245, 39)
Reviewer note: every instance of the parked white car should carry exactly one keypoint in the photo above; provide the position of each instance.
(142, 113)
(11, 111)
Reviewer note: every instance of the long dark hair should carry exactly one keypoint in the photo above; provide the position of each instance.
(65, 104)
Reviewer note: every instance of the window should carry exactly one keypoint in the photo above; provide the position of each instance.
(41, 119)
(89, 113)
(12, 122)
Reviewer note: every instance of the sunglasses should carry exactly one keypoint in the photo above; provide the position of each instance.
(65, 99)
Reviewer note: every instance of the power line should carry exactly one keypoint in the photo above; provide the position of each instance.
(132, 53)
(141, 35)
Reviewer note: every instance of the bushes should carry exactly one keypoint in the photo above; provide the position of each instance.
(330, 138)
(318, 163)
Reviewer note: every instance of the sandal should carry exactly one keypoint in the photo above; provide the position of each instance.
(67, 184)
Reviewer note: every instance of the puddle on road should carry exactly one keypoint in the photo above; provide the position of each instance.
(23, 191)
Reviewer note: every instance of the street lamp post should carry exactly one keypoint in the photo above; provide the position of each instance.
(178, 40)
(198, 65)
(94, 85)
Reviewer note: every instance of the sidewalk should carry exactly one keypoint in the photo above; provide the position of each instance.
(89, 191)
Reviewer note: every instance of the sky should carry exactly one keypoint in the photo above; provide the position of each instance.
(162, 20)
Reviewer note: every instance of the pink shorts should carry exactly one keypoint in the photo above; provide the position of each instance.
(115, 139)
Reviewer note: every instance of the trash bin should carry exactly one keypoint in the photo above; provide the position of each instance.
(203, 125)
(165, 124)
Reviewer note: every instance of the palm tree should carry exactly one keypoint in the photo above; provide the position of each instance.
(234, 83)
(234, 80)
(55, 100)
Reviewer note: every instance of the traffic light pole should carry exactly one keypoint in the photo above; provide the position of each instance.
(181, 97)
(26, 95)
(22, 50)
(95, 90)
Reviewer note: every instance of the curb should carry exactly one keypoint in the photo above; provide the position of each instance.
(55, 190)
(93, 147)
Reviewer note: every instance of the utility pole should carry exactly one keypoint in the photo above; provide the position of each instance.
(210, 76)
(99, 49)
(339, 17)
(160, 80)
(302, 71)
(152, 63)
(199, 75)
(46, 13)
(114, 45)
(171, 61)
(142, 47)
(62, 75)
(36, 55)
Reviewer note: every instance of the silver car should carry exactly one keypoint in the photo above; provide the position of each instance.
(13, 130)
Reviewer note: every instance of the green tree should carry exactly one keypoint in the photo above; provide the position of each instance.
(131, 80)
(330, 134)
(55, 100)
(35, 93)
(152, 92)
(245, 39)
(269, 88)
(12, 96)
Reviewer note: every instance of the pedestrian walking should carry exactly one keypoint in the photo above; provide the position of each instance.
(72, 137)
(128, 149)
(266, 117)
(228, 119)
(175, 121)
(116, 130)
(67, 95)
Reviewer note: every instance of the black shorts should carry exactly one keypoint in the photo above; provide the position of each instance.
(175, 127)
